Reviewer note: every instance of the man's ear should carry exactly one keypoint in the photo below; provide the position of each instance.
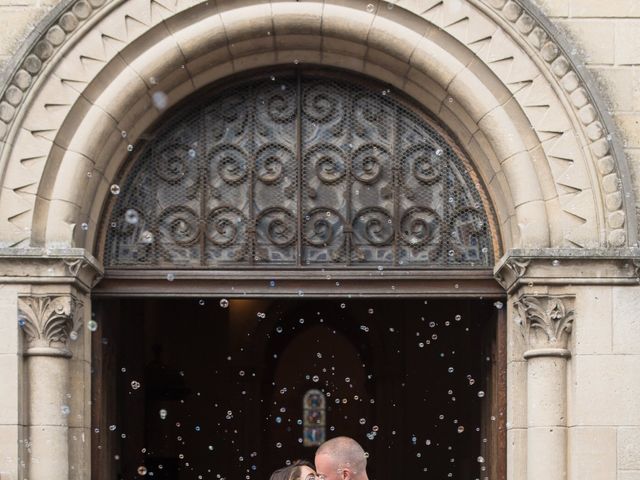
(346, 474)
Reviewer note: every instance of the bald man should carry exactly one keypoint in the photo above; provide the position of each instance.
(341, 458)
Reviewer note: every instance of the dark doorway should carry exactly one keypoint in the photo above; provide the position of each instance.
(214, 388)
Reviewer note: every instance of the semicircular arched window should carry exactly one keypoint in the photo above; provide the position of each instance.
(299, 171)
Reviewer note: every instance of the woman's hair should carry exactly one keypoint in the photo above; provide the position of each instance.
(292, 472)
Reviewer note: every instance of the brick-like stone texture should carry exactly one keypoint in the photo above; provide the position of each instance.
(628, 42)
(605, 8)
(629, 448)
(593, 39)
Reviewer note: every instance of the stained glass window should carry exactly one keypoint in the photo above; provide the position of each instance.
(314, 413)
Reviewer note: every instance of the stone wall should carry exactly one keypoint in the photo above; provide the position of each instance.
(606, 40)
(603, 419)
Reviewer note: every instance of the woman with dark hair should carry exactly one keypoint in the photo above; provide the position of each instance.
(298, 470)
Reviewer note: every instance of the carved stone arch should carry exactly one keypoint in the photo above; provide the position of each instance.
(489, 69)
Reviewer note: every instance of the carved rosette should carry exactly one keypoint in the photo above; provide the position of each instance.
(48, 323)
(546, 323)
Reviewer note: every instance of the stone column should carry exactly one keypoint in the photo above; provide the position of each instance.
(48, 323)
(546, 323)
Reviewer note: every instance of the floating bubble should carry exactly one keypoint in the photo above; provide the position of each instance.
(278, 419)
(261, 315)
(460, 429)
(279, 329)
(278, 445)
(160, 100)
(115, 189)
(315, 378)
(498, 305)
(370, 8)
(480, 459)
(65, 410)
(163, 413)
(129, 148)
(224, 303)
(363, 421)
(370, 311)
(147, 237)
(131, 216)
(112, 428)
(555, 263)
(135, 384)
(201, 302)
(92, 325)
(72, 335)
(480, 394)
(342, 305)
(171, 277)
(142, 470)
(84, 226)
(458, 318)
(439, 152)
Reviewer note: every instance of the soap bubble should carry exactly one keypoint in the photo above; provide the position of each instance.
(92, 325)
(371, 8)
(224, 303)
(160, 100)
(163, 413)
(131, 216)
(135, 384)
(115, 189)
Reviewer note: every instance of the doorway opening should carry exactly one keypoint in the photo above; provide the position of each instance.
(215, 388)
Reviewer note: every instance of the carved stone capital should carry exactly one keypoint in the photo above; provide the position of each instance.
(546, 323)
(48, 323)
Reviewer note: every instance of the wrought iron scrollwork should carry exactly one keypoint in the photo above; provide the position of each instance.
(301, 172)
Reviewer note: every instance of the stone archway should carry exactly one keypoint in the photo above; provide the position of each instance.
(493, 74)
(490, 70)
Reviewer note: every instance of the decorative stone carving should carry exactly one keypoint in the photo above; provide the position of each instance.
(546, 323)
(49, 322)
(571, 80)
(519, 267)
(74, 265)
(516, 20)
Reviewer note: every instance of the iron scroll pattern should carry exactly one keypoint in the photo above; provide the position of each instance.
(299, 172)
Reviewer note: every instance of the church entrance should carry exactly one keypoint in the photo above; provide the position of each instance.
(213, 388)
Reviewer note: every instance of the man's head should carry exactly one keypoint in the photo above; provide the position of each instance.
(341, 458)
